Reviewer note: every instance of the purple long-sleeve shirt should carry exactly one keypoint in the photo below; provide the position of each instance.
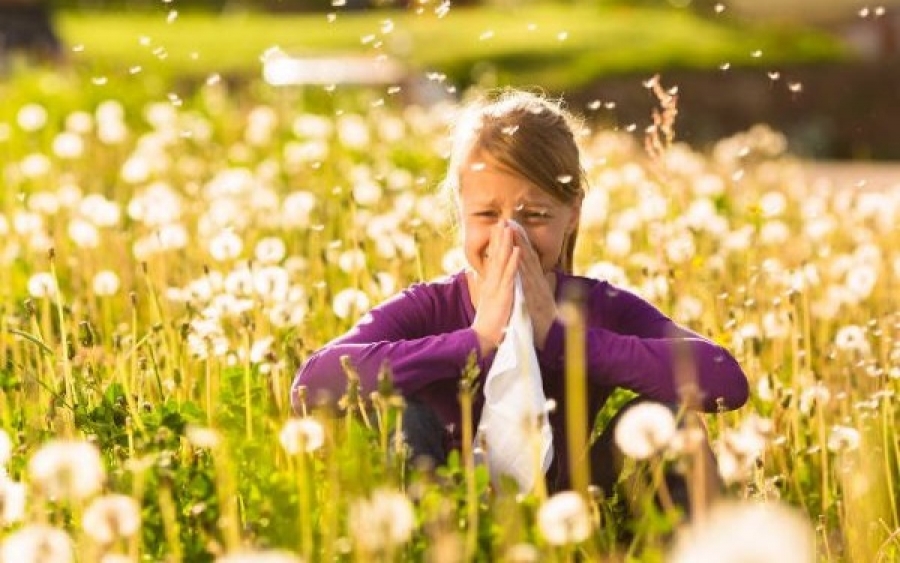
(424, 335)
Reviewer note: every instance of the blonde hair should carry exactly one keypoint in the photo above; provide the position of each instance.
(531, 136)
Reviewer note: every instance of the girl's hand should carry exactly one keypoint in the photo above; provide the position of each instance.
(538, 288)
(496, 288)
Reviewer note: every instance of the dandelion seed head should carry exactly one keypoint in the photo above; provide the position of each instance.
(645, 429)
(66, 469)
(105, 283)
(751, 532)
(302, 435)
(111, 517)
(565, 519)
(37, 542)
(843, 438)
(202, 437)
(383, 520)
(32, 117)
(41, 285)
(348, 302)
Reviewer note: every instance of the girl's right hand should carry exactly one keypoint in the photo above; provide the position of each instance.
(496, 288)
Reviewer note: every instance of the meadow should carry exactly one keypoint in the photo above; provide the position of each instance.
(167, 261)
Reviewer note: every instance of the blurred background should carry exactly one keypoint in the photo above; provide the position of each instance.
(826, 73)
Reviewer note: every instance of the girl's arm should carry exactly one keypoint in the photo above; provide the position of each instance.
(651, 355)
(395, 335)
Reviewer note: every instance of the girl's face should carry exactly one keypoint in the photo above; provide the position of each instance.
(489, 194)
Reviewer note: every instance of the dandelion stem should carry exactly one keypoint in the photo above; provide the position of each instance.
(576, 394)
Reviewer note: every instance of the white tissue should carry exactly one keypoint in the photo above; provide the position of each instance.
(515, 403)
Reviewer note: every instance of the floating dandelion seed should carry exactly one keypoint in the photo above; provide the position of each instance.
(756, 54)
(774, 75)
(864, 12)
(111, 517)
(383, 520)
(795, 87)
(485, 35)
(302, 435)
(99, 80)
(719, 8)
(387, 26)
(880, 11)
(37, 542)
(331, 17)
(562, 36)
(443, 9)
(78, 48)
(173, 15)
(565, 519)
(645, 429)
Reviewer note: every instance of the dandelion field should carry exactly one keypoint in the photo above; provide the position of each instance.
(167, 264)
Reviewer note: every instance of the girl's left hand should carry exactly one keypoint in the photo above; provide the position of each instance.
(538, 289)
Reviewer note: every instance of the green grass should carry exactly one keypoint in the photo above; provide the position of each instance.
(525, 44)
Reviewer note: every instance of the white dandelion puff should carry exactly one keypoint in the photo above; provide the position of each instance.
(67, 469)
(227, 245)
(565, 519)
(350, 301)
(111, 517)
(384, 520)
(37, 543)
(843, 438)
(42, 284)
(645, 429)
(202, 437)
(32, 117)
(302, 435)
(270, 250)
(106, 283)
(852, 338)
(750, 532)
(12, 501)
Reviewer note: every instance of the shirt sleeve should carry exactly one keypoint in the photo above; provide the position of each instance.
(398, 334)
(631, 344)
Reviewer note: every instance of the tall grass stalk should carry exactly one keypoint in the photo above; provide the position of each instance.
(576, 393)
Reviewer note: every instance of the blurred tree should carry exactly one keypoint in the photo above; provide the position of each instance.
(26, 26)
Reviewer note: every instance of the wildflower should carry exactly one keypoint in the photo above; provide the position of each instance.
(645, 429)
(366, 192)
(522, 553)
(565, 519)
(260, 349)
(814, 395)
(312, 126)
(67, 145)
(302, 434)
(99, 210)
(750, 532)
(270, 250)
(106, 283)
(843, 438)
(383, 520)
(12, 501)
(83, 233)
(259, 556)
(349, 301)
(67, 469)
(6, 448)
(296, 209)
(352, 260)
(202, 437)
(35, 165)
(42, 284)
(353, 131)
(852, 338)
(861, 280)
(31, 117)
(225, 246)
(111, 517)
(272, 282)
(37, 543)
(618, 243)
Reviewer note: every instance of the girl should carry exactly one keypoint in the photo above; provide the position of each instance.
(515, 159)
